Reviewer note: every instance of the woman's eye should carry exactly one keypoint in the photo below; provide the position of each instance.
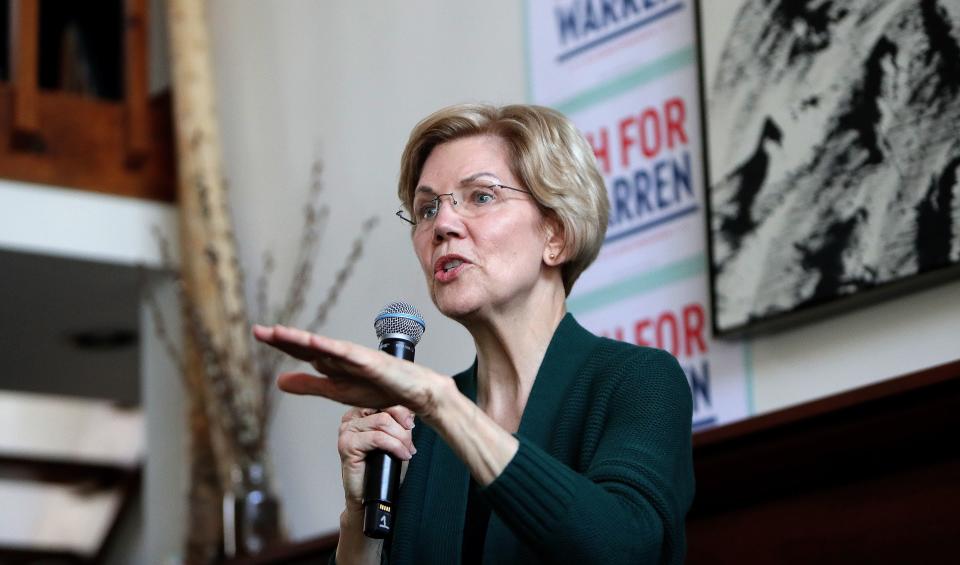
(481, 197)
(426, 210)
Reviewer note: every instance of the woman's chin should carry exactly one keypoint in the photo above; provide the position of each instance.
(456, 307)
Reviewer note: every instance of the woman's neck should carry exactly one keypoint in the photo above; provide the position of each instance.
(510, 348)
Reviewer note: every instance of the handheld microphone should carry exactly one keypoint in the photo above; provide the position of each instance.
(399, 327)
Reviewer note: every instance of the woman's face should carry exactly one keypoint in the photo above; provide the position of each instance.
(489, 262)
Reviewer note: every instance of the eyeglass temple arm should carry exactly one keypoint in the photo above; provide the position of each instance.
(404, 218)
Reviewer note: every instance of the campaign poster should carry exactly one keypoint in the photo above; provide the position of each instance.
(625, 72)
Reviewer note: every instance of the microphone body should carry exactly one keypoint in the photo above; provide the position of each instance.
(399, 327)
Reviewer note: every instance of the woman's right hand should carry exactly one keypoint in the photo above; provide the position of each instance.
(363, 430)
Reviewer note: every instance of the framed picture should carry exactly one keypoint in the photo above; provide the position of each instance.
(832, 153)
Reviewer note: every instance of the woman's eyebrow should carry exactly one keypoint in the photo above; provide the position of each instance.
(473, 178)
(425, 189)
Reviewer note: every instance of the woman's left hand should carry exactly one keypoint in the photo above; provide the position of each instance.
(352, 374)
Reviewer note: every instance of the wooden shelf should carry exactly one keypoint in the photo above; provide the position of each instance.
(868, 476)
(84, 146)
(66, 139)
(313, 550)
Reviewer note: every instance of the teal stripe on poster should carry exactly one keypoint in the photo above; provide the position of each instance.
(639, 284)
(651, 71)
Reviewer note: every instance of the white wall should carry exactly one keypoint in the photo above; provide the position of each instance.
(78, 224)
(345, 82)
(839, 353)
(166, 475)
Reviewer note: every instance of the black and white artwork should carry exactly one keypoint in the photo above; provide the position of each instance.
(832, 142)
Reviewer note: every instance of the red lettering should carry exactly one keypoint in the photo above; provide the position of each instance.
(638, 329)
(601, 151)
(667, 318)
(649, 133)
(675, 115)
(681, 332)
(693, 329)
(626, 141)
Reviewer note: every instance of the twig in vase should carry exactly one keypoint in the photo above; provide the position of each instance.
(270, 359)
(263, 286)
(160, 326)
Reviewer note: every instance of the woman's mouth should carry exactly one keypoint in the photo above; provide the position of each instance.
(448, 267)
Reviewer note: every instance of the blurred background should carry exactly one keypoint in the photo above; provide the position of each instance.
(306, 107)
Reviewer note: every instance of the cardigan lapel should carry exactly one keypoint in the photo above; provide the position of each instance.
(446, 496)
(569, 349)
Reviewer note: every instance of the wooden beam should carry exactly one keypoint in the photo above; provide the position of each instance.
(62, 471)
(24, 55)
(13, 555)
(217, 330)
(130, 487)
(85, 146)
(136, 97)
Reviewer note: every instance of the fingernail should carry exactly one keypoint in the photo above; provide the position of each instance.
(413, 451)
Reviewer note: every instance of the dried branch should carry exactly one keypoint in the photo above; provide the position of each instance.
(240, 403)
(166, 258)
(263, 286)
(160, 326)
(314, 223)
(270, 359)
(343, 275)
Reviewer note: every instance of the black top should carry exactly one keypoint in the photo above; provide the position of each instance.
(603, 472)
(475, 526)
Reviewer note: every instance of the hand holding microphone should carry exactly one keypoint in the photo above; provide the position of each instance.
(366, 437)
(371, 443)
(399, 327)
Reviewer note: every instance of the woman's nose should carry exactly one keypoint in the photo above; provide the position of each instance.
(447, 222)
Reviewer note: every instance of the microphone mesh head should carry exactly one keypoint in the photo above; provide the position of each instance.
(400, 318)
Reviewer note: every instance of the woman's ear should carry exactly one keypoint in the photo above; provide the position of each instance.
(555, 243)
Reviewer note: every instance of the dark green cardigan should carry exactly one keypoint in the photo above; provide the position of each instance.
(603, 474)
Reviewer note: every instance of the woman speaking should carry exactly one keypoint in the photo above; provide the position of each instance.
(555, 446)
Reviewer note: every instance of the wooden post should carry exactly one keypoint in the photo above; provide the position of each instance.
(204, 531)
(136, 97)
(24, 42)
(212, 278)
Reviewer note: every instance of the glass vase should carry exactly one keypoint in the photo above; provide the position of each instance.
(251, 513)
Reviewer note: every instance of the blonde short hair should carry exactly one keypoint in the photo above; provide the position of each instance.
(548, 155)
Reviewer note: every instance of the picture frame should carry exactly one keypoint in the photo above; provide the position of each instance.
(831, 143)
